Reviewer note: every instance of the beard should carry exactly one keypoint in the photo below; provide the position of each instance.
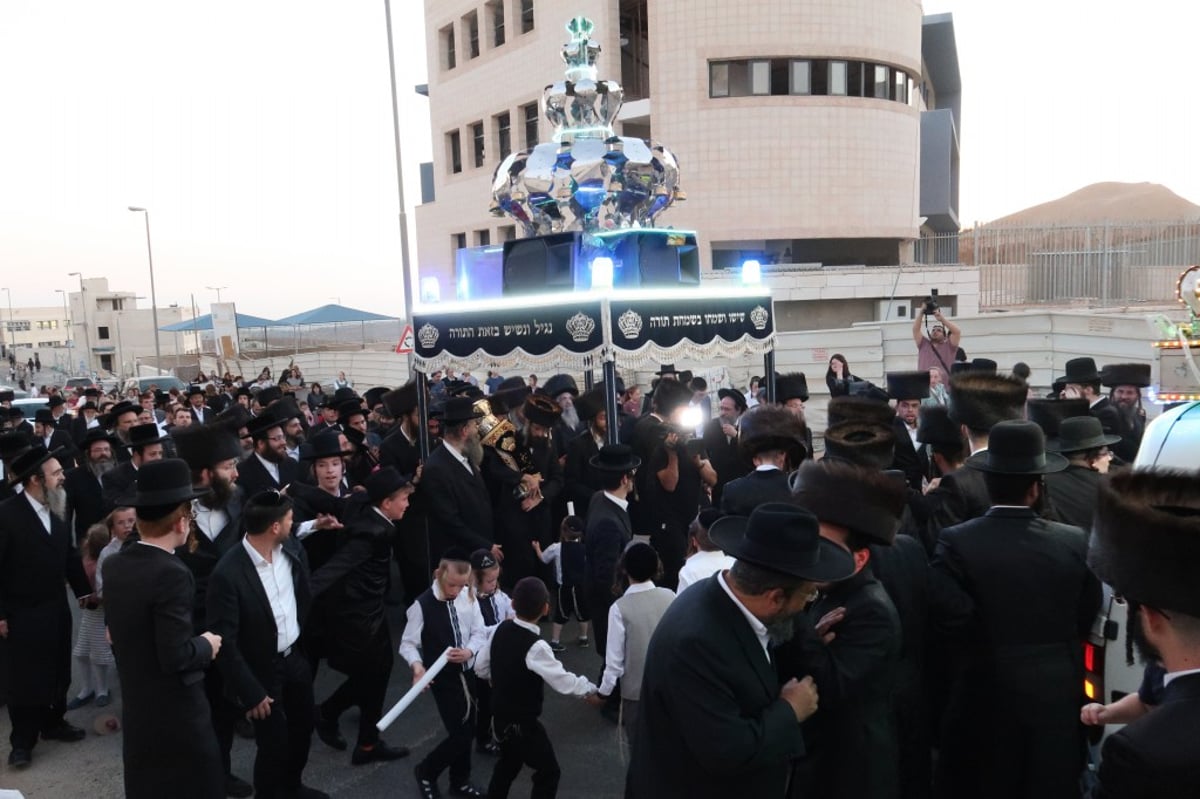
(222, 492)
(269, 454)
(1135, 638)
(294, 442)
(472, 448)
(571, 417)
(56, 501)
(101, 467)
(780, 631)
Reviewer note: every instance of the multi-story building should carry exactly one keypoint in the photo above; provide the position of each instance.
(112, 334)
(818, 137)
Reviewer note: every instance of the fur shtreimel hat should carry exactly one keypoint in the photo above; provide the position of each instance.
(771, 427)
(864, 501)
(872, 446)
(980, 400)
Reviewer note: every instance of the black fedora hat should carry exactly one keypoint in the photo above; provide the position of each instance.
(326, 444)
(13, 443)
(43, 416)
(121, 408)
(287, 408)
(96, 435)
(784, 538)
(793, 385)
(260, 425)
(142, 435)
(374, 396)
(1049, 414)
(541, 410)
(666, 369)
(204, 446)
(351, 407)
(739, 399)
(864, 501)
(1125, 374)
(268, 395)
(344, 393)
(1017, 447)
(985, 365)
(401, 401)
(865, 443)
(163, 482)
(1081, 370)
(865, 389)
(55, 401)
(935, 427)
(385, 482)
(615, 458)
(908, 385)
(8, 395)
(457, 410)
(90, 405)
(27, 462)
(1080, 433)
(194, 389)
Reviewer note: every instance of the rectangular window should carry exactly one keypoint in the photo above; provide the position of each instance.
(495, 12)
(507, 232)
(800, 78)
(881, 83)
(471, 23)
(477, 149)
(458, 241)
(760, 77)
(856, 70)
(838, 78)
(718, 79)
(449, 56)
(900, 86)
(526, 16)
(529, 116)
(483, 238)
(503, 125)
(454, 151)
(780, 79)
(102, 332)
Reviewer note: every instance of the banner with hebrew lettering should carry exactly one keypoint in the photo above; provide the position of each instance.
(559, 333)
(692, 328)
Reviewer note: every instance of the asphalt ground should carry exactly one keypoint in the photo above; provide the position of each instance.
(586, 745)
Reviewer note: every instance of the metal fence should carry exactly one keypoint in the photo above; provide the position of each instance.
(1098, 265)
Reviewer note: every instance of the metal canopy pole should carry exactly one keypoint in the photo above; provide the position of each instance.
(769, 366)
(589, 374)
(423, 412)
(610, 399)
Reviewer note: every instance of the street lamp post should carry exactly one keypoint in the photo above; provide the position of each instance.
(87, 337)
(153, 296)
(12, 344)
(405, 262)
(69, 322)
(217, 289)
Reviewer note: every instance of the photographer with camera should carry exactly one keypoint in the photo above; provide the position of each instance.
(940, 347)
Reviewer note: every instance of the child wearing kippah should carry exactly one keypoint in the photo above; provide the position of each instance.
(496, 607)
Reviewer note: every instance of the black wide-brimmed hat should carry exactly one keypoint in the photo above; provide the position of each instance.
(772, 427)
(385, 482)
(194, 390)
(97, 434)
(870, 445)
(935, 427)
(457, 410)
(793, 385)
(1081, 370)
(1080, 433)
(908, 385)
(461, 388)
(13, 443)
(615, 458)
(90, 405)
(55, 401)
(784, 538)
(287, 408)
(344, 393)
(401, 401)
(981, 399)
(739, 399)
(163, 482)
(984, 365)
(43, 416)
(847, 408)
(541, 410)
(666, 369)
(374, 396)
(260, 425)
(268, 395)
(559, 384)
(27, 462)
(1146, 538)
(121, 408)
(348, 409)
(590, 404)
(142, 435)
(204, 446)
(866, 390)
(1017, 447)
(8, 396)
(326, 444)
(864, 501)
(1048, 414)
(1125, 374)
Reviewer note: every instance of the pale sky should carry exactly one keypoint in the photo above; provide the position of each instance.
(259, 135)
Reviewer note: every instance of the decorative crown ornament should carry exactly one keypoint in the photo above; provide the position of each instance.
(581, 326)
(630, 324)
(428, 336)
(759, 317)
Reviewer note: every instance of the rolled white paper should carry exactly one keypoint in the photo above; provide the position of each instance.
(419, 686)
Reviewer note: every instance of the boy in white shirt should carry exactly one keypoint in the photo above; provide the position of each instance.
(708, 559)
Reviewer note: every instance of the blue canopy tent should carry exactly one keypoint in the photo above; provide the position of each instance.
(205, 322)
(334, 314)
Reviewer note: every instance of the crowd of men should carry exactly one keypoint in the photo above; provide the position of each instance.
(901, 615)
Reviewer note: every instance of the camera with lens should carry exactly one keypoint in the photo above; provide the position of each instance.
(931, 306)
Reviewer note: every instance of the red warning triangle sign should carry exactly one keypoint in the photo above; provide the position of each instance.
(407, 344)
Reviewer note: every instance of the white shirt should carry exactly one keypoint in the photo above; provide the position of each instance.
(620, 503)
(614, 650)
(470, 624)
(41, 510)
(541, 661)
(294, 454)
(1172, 675)
(210, 521)
(111, 548)
(276, 577)
(912, 434)
(553, 554)
(701, 566)
(272, 469)
(767, 467)
(458, 456)
(760, 629)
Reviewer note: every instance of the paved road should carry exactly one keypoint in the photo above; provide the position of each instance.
(586, 745)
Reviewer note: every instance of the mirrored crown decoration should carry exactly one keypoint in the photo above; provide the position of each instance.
(586, 178)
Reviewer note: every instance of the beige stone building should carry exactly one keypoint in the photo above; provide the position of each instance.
(817, 137)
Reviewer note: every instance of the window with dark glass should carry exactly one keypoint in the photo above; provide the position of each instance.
(807, 76)
(458, 241)
(507, 232)
(454, 148)
(855, 77)
(101, 330)
(503, 135)
(495, 11)
(483, 238)
(881, 82)
(800, 78)
(530, 114)
(477, 141)
(471, 22)
(526, 16)
(449, 56)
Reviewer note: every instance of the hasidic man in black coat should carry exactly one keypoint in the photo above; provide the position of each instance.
(86, 419)
(201, 413)
(771, 439)
(460, 507)
(47, 433)
(36, 559)
(258, 601)
(1082, 380)
(713, 719)
(852, 740)
(721, 441)
(85, 494)
(168, 746)
(145, 445)
(1146, 545)
(1073, 491)
(1125, 382)
(402, 450)
(269, 468)
(581, 480)
(908, 389)
(1035, 600)
(608, 532)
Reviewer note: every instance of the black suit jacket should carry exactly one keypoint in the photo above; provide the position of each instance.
(458, 503)
(744, 494)
(1155, 756)
(239, 611)
(117, 484)
(913, 461)
(961, 496)
(85, 500)
(209, 414)
(608, 531)
(1073, 493)
(1109, 416)
(710, 720)
(725, 457)
(254, 477)
(582, 480)
(168, 738)
(61, 439)
(201, 555)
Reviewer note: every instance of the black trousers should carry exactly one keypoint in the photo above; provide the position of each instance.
(525, 744)
(224, 713)
(453, 697)
(29, 721)
(284, 736)
(483, 712)
(365, 686)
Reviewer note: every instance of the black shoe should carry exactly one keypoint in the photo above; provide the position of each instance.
(427, 787)
(244, 727)
(237, 787)
(469, 790)
(380, 751)
(329, 732)
(80, 701)
(20, 758)
(64, 732)
(487, 748)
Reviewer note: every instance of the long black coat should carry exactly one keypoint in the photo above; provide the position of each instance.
(710, 720)
(460, 507)
(960, 496)
(240, 612)
(911, 460)
(605, 537)
(852, 739)
(201, 555)
(581, 480)
(1155, 757)
(515, 528)
(411, 544)
(1035, 599)
(745, 494)
(169, 747)
(254, 477)
(1073, 494)
(33, 567)
(85, 500)
(726, 458)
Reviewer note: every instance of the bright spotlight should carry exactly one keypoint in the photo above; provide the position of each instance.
(751, 273)
(602, 273)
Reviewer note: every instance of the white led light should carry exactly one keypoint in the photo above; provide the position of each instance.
(751, 273)
(602, 273)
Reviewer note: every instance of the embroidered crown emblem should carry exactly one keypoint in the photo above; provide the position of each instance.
(630, 324)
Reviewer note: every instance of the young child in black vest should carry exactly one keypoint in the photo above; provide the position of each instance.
(570, 566)
(520, 664)
(447, 615)
(496, 607)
